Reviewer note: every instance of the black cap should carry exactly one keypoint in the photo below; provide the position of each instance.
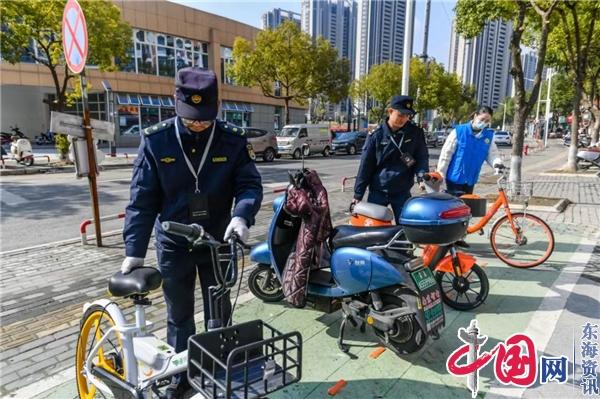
(196, 94)
(403, 104)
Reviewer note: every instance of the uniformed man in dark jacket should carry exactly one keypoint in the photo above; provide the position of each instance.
(393, 154)
(190, 169)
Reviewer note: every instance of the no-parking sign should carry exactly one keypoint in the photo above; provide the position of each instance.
(74, 35)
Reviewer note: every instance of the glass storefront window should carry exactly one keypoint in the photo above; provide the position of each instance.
(167, 113)
(149, 116)
(238, 118)
(129, 121)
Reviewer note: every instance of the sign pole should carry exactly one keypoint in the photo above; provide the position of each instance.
(91, 157)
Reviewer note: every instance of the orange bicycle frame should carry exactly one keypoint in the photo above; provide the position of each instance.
(500, 201)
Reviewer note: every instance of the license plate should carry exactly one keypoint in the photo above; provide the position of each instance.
(431, 300)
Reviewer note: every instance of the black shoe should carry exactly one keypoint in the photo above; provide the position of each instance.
(178, 390)
(462, 244)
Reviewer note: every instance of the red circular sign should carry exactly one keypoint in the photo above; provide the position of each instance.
(74, 36)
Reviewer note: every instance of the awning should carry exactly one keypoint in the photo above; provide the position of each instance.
(240, 107)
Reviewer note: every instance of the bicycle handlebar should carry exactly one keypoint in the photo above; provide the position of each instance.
(191, 232)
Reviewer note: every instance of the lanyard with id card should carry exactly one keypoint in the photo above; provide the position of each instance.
(406, 158)
(197, 202)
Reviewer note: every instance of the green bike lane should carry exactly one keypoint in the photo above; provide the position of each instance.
(517, 302)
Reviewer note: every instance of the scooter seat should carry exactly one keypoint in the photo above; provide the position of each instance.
(362, 237)
(139, 281)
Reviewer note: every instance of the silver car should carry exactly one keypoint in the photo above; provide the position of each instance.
(263, 143)
(502, 138)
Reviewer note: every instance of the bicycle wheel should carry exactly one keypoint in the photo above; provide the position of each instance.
(95, 323)
(529, 244)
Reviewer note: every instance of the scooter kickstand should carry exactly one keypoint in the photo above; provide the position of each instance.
(344, 348)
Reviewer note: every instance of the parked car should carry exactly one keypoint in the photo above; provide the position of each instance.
(441, 136)
(431, 139)
(311, 139)
(263, 143)
(348, 142)
(502, 138)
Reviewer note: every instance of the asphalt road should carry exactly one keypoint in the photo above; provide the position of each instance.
(45, 208)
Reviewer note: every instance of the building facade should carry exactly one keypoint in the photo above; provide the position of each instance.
(274, 18)
(484, 62)
(379, 33)
(335, 20)
(166, 37)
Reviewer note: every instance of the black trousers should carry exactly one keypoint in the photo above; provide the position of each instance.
(179, 269)
(458, 189)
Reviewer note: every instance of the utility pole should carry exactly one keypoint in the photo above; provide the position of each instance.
(504, 116)
(408, 39)
(550, 72)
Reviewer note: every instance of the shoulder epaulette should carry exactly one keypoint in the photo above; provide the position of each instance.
(229, 128)
(159, 127)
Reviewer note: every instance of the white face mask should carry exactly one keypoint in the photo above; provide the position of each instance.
(480, 125)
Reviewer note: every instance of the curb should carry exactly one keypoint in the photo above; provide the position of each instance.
(65, 169)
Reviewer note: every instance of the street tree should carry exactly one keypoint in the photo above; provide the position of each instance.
(430, 86)
(572, 46)
(531, 25)
(592, 91)
(289, 59)
(33, 29)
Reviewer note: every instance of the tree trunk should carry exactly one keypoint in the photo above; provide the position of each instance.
(596, 127)
(516, 158)
(287, 111)
(521, 104)
(571, 165)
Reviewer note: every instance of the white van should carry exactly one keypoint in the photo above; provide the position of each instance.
(291, 140)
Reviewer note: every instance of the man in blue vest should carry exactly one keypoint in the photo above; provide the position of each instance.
(190, 169)
(464, 152)
(393, 153)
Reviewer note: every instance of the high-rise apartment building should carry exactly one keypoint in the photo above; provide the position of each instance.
(274, 18)
(379, 33)
(335, 20)
(484, 61)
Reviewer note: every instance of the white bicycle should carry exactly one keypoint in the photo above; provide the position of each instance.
(125, 360)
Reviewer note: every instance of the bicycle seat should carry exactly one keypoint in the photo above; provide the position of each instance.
(139, 281)
(362, 237)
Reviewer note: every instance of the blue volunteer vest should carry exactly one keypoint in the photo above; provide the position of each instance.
(471, 151)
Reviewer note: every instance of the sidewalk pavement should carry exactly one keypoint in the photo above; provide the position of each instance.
(43, 289)
(10, 167)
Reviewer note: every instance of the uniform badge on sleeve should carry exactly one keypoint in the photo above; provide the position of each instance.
(487, 141)
(251, 153)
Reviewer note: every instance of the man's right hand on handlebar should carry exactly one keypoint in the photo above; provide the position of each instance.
(130, 263)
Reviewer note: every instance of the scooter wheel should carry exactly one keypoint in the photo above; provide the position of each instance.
(466, 292)
(263, 283)
(407, 335)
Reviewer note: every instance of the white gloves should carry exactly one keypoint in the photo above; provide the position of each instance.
(238, 226)
(131, 263)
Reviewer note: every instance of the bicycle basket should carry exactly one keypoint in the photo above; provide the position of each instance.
(518, 192)
(238, 362)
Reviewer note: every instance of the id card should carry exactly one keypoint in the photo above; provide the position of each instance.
(408, 159)
(198, 207)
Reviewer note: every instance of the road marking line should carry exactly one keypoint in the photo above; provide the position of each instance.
(11, 199)
(546, 317)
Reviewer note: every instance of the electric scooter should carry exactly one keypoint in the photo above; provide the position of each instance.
(368, 270)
